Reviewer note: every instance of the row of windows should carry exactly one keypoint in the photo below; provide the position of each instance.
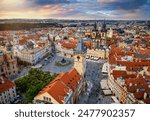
(47, 99)
(10, 73)
(7, 98)
(2, 70)
(8, 91)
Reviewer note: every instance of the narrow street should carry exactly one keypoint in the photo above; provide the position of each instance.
(94, 94)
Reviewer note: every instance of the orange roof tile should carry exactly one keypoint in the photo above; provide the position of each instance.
(135, 81)
(88, 44)
(139, 95)
(6, 85)
(133, 64)
(147, 100)
(144, 51)
(112, 59)
(59, 87)
(69, 45)
(41, 44)
(117, 51)
(147, 77)
(119, 73)
(22, 41)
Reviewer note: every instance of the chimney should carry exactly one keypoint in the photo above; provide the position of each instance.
(145, 95)
(2, 80)
(137, 90)
(130, 84)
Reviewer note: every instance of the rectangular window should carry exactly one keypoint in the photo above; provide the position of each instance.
(49, 99)
(44, 98)
(14, 95)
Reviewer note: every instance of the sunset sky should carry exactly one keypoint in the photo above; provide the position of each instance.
(76, 9)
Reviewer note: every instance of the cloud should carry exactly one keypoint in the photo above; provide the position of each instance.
(75, 9)
(45, 2)
(123, 4)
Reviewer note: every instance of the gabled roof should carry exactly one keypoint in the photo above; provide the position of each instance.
(119, 73)
(60, 86)
(112, 59)
(147, 100)
(23, 41)
(73, 79)
(135, 81)
(144, 51)
(118, 51)
(69, 45)
(6, 85)
(139, 95)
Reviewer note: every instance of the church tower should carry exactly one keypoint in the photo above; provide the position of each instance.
(80, 63)
(104, 31)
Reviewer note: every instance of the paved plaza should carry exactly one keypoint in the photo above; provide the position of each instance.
(53, 68)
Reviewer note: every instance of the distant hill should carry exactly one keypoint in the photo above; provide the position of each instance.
(22, 26)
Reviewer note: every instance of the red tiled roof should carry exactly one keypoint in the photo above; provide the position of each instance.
(114, 32)
(6, 85)
(147, 38)
(58, 91)
(74, 41)
(59, 87)
(117, 51)
(133, 64)
(134, 81)
(147, 77)
(112, 59)
(74, 79)
(119, 73)
(88, 44)
(144, 51)
(134, 88)
(139, 95)
(23, 41)
(129, 53)
(147, 100)
(131, 76)
(41, 44)
(69, 45)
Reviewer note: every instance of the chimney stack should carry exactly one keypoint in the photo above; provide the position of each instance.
(145, 95)
(2, 80)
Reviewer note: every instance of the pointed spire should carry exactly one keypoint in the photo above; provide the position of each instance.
(104, 26)
(96, 26)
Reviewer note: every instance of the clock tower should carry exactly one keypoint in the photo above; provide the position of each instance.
(80, 63)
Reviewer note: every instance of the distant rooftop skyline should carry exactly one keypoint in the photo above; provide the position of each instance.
(76, 9)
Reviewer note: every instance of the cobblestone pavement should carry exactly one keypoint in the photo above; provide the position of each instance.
(51, 67)
(94, 94)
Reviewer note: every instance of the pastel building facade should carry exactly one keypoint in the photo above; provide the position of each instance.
(7, 91)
